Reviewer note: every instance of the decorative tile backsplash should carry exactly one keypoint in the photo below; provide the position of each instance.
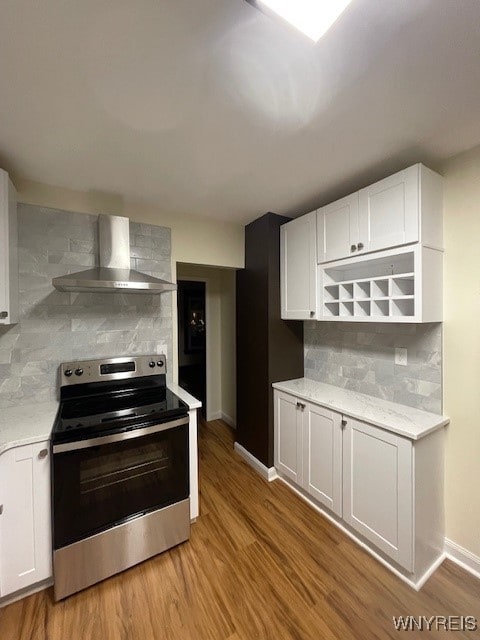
(55, 327)
(361, 357)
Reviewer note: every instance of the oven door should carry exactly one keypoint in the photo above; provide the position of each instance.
(103, 482)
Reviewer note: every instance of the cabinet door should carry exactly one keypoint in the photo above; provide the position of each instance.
(25, 528)
(389, 211)
(337, 229)
(322, 447)
(298, 251)
(377, 489)
(288, 436)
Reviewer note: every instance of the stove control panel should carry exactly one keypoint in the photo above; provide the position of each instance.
(111, 369)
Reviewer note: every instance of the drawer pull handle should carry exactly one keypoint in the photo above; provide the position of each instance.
(43, 453)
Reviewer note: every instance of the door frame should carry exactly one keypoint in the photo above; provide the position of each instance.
(208, 340)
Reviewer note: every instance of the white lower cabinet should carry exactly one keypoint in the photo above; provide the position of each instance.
(25, 522)
(377, 496)
(308, 448)
(288, 436)
(386, 489)
(322, 455)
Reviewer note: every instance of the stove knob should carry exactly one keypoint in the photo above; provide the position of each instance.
(151, 364)
(160, 363)
(68, 372)
(78, 372)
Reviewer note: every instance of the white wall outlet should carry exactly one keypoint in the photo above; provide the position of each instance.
(401, 356)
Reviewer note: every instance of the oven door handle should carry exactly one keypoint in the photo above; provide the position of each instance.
(119, 437)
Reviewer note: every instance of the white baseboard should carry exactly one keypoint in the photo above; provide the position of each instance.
(24, 593)
(429, 572)
(220, 415)
(229, 420)
(464, 558)
(267, 473)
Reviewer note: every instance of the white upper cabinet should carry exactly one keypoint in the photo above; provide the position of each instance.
(298, 275)
(337, 229)
(8, 251)
(389, 211)
(404, 208)
(376, 254)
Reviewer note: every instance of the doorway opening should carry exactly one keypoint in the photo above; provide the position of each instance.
(192, 346)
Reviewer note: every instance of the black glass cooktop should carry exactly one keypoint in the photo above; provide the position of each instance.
(116, 408)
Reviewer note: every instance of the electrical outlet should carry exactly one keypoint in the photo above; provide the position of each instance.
(401, 356)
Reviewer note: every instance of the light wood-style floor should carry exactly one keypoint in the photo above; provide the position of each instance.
(260, 564)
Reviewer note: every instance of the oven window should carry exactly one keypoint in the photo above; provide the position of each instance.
(99, 487)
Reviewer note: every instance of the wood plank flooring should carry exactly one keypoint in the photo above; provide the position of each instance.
(260, 564)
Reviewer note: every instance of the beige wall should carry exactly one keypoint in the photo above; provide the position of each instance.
(195, 239)
(220, 320)
(462, 348)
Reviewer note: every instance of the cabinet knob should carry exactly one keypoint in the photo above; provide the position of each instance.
(43, 453)
(300, 405)
(360, 246)
(344, 423)
(3, 314)
(312, 313)
(353, 247)
(1, 509)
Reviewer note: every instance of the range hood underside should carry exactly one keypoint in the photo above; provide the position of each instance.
(109, 280)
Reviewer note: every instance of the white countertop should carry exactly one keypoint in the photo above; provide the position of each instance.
(192, 402)
(398, 418)
(26, 424)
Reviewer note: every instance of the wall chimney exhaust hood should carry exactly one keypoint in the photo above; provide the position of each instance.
(114, 274)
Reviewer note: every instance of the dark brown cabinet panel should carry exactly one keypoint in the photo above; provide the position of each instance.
(269, 349)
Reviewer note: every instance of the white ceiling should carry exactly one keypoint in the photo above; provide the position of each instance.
(212, 108)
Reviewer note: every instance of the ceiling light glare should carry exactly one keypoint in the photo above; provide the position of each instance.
(311, 17)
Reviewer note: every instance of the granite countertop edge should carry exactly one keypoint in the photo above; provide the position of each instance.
(26, 424)
(396, 418)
